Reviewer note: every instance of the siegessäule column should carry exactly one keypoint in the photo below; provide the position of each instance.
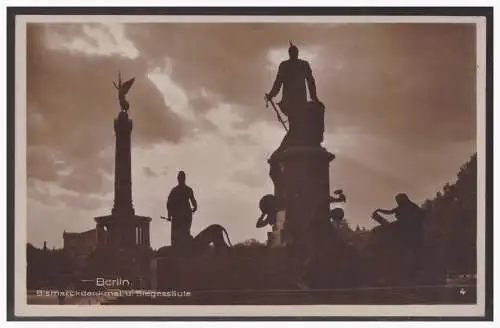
(123, 173)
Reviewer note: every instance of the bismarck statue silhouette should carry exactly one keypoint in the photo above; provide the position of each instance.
(123, 89)
(306, 118)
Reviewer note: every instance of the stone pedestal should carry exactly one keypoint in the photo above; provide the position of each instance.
(274, 237)
(303, 189)
(123, 231)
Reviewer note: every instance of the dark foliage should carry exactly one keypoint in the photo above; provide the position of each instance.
(47, 267)
(451, 227)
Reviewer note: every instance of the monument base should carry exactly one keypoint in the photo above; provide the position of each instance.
(123, 230)
(274, 237)
(122, 249)
(302, 186)
(109, 263)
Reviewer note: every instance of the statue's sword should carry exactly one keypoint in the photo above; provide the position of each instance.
(165, 218)
(276, 111)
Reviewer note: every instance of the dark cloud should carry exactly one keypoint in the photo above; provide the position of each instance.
(228, 59)
(41, 165)
(58, 80)
(55, 195)
(71, 105)
(389, 78)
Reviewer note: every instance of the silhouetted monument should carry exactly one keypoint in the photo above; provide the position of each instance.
(306, 118)
(123, 228)
(180, 212)
(299, 168)
(181, 205)
(409, 224)
(293, 75)
(401, 241)
(123, 89)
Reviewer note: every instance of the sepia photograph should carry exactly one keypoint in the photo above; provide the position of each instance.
(176, 165)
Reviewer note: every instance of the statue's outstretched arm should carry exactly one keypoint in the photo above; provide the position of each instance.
(385, 211)
(262, 221)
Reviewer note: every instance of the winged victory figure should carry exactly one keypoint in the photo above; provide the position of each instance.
(123, 89)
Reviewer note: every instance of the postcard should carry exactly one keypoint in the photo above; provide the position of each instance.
(228, 165)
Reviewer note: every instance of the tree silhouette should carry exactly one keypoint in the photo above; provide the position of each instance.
(452, 221)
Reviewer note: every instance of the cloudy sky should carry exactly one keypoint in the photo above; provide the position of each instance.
(400, 101)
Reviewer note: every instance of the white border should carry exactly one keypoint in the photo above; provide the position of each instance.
(22, 309)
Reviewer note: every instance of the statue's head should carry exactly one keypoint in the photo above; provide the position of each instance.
(267, 204)
(402, 199)
(293, 51)
(181, 177)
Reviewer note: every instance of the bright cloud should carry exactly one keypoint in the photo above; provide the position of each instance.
(175, 97)
(95, 40)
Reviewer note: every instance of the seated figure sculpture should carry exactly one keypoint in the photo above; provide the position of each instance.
(408, 214)
(269, 216)
(408, 227)
(404, 238)
(267, 205)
